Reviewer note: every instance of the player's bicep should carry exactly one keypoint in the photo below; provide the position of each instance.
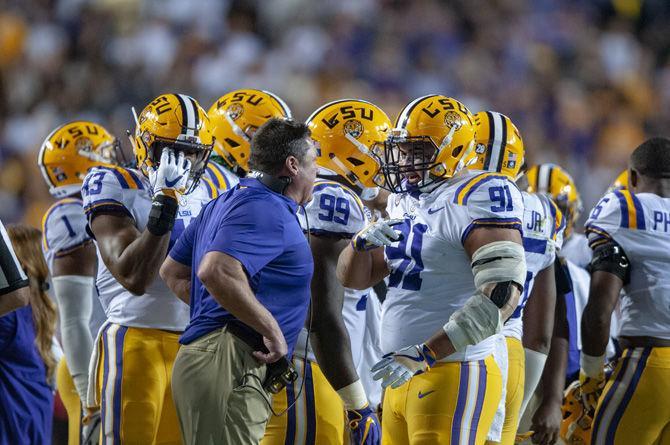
(487, 235)
(327, 292)
(114, 233)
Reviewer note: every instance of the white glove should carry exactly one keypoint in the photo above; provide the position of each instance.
(171, 176)
(396, 368)
(377, 234)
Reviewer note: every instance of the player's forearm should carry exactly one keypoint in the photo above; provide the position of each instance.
(595, 329)
(361, 270)
(233, 293)
(332, 348)
(138, 264)
(538, 315)
(553, 377)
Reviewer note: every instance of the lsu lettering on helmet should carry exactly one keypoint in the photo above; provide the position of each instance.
(174, 121)
(349, 133)
(235, 117)
(498, 145)
(71, 150)
(433, 139)
(556, 182)
(577, 421)
(620, 183)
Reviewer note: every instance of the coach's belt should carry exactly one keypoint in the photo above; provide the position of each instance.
(252, 338)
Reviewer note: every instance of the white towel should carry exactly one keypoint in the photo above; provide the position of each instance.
(500, 357)
(92, 399)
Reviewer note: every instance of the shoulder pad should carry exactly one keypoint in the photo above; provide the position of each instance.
(617, 210)
(64, 226)
(104, 187)
(491, 199)
(334, 210)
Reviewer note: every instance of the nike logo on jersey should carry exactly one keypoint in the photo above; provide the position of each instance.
(169, 183)
(424, 394)
(431, 211)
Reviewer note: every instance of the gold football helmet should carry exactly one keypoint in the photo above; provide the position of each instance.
(173, 121)
(576, 426)
(235, 117)
(498, 145)
(556, 182)
(349, 131)
(71, 150)
(433, 139)
(620, 183)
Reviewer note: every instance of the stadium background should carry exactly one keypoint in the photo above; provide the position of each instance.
(585, 81)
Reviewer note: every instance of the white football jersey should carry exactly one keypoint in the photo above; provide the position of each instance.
(576, 250)
(63, 231)
(640, 224)
(222, 178)
(336, 211)
(543, 225)
(128, 191)
(431, 276)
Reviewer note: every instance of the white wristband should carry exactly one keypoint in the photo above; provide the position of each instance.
(353, 396)
(591, 365)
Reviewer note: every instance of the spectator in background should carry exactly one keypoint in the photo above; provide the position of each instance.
(245, 266)
(27, 363)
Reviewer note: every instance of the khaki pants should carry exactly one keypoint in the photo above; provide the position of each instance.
(216, 403)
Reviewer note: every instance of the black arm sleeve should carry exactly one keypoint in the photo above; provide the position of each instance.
(563, 284)
(12, 276)
(610, 257)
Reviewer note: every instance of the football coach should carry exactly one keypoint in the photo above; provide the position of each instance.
(244, 266)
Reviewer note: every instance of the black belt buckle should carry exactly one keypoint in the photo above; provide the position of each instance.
(279, 374)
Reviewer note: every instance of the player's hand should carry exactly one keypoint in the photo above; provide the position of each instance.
(546, 423)
(396, 368)
(590, 389)
(171, 176)
(377, 234)
(364, 426)
(277, 348)
(90, 431)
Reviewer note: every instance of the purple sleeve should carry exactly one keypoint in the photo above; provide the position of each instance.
(182, 251)
(252, 233)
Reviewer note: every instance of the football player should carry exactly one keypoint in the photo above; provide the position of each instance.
(134, 216)
(234, 119)
(66, 156)
(347, 132)
(556, 182)
(620, 183)
(629, 232)
(500, 149)
(445, 225)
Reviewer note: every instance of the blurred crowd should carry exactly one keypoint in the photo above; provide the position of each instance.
(585, 82)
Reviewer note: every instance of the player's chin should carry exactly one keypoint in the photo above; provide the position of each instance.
(413, 178)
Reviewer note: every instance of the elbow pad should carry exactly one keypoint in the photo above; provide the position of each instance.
(610, 257)
(503, 264)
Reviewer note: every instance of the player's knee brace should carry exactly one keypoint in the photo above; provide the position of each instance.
(503, 264)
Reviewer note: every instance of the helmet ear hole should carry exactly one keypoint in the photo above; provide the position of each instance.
(355, 162)
(456, 151)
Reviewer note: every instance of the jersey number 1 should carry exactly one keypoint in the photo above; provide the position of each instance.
(408, 274)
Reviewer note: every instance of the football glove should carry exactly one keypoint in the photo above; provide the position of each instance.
(590, 389)
(171, 176)
(364, 426)
(90, 431)
(396, 368)
(377, 234)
